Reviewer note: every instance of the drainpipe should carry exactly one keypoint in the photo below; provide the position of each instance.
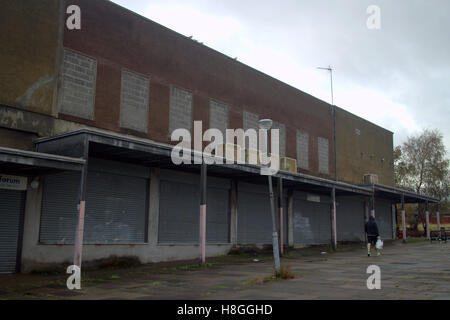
(78, 248)
(203, 177)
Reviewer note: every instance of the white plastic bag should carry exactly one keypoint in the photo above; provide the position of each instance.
(379, 244)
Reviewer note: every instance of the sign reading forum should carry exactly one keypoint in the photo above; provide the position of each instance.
(13, 182)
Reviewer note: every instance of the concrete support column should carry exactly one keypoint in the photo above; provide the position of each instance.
(438, 219)
(32, 219)
(290, 213)
(234, 213)
(366, 210)
(403, 218)
(78, 250)
(372, 205)
(203, 188)
(366, 216)
(153, 218)
(427, 220)
(333, 219)
(394, 222)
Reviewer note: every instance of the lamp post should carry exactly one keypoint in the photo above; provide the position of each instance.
(266, 124)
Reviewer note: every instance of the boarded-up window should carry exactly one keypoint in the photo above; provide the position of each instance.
(78, 85)
(302, 149)
(323, 150)
(180, 114)
(282, 135)
(134, 101)
(218, 116)
(250, 120)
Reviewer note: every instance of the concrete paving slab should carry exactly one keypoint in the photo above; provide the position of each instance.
(416, 270)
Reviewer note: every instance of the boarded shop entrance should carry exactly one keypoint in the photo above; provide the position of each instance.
(312, 224)
(12, 205)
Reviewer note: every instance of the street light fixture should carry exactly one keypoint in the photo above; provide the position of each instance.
(266, 124)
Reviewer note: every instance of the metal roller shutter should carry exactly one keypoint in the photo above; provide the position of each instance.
(312, 224)
(254, 219)
(11, 214)
(179, 209)
(383, 217)
(116, 208)
(218, 215)
(254, 216)
(350, 218)
(178, 212)
(59, 207)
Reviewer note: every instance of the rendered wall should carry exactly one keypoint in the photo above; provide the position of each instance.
(361, 147)
(29, 35)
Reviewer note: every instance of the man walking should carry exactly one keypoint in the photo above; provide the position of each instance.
(372, 235)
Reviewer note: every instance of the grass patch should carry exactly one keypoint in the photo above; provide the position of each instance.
(155, 284)
(251, 282)
(191, 267)
(185, 268)
(285, 273)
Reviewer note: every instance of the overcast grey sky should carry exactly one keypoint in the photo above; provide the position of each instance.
(397, 77)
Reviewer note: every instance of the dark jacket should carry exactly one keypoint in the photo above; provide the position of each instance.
(371, 227)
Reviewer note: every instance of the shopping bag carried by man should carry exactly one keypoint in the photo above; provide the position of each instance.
(379, 244)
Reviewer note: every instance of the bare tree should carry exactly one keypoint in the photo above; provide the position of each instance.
(421, 166)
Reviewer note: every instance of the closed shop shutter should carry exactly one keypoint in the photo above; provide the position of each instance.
(383, 217)
(312, 221)
(350, 218)
(218, 215)
(254, 216)
(178, 212)
(179, 209)
(11, 214)
(60, 197)
(116, 208)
